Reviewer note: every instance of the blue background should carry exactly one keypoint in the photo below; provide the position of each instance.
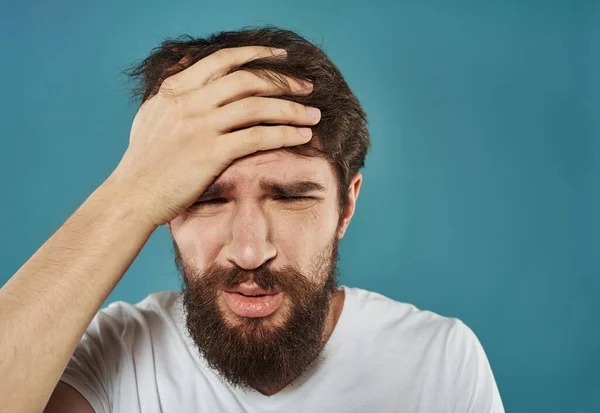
(480, 198)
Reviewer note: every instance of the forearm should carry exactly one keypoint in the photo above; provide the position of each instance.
(47, 305)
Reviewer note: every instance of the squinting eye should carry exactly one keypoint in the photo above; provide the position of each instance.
(293, 198)
(215, 201)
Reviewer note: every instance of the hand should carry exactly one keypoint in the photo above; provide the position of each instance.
(199, 122)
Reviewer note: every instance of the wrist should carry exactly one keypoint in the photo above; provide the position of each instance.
(118, 199)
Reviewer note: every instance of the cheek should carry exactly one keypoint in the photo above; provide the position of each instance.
(299, 237)
(200, 241)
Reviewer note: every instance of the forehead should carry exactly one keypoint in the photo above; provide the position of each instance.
(278, 166)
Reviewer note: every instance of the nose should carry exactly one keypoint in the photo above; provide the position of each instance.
(249, 244)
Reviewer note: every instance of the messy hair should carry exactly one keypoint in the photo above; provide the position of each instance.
(341, 136)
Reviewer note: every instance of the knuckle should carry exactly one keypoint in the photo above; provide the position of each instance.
(169, 84)
(280, 132)
(288, 132)
(293, 109)
(250, 106)
(244, 78)
(222, 54)
(254, 135)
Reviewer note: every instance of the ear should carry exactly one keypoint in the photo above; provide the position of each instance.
(353, 191)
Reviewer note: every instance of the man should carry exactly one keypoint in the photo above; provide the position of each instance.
(248, 146)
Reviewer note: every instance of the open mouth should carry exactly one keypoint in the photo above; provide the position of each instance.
(257, 305)
(258, 295)
(251, 291)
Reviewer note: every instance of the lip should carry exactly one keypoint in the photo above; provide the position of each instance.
(250, 289)
(246, 306)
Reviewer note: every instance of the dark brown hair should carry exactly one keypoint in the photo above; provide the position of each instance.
(341, 136)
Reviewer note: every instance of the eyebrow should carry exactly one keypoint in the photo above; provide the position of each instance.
(215, 190)
(292, 188)
(287, 189)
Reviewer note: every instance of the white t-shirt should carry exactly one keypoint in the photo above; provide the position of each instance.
(383, 356)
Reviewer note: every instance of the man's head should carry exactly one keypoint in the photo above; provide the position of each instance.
(272, 219)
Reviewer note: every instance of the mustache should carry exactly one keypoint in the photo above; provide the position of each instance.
(287, 279)
(264, 277)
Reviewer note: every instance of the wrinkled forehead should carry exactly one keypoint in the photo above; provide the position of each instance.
(277, 166)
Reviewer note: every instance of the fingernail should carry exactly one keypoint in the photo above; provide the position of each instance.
(305, 131)
(279, 52)
(313, 112)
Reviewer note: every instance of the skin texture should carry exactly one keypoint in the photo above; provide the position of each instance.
(252, 227)
(199, 122)
(247, 226)
(181, 140)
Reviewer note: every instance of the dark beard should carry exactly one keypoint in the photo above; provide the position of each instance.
(254, 353)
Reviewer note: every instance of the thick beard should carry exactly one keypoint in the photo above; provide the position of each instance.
(254, 353)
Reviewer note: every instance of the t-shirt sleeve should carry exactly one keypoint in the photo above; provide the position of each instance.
(471, 382)
(95, 362)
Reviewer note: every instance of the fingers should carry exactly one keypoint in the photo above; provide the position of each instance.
(254, 110)
(243, 83)
(215, 66)
(262, 138)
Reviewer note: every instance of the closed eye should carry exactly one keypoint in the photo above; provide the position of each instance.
(220, 201)
(293, 198)
(214, 201)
